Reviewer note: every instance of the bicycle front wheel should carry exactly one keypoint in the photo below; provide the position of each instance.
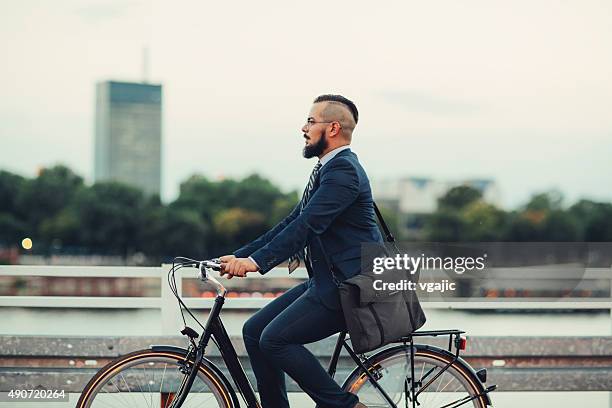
(439, 385)
(151, 379)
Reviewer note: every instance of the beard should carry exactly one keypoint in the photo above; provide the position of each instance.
(317, 148)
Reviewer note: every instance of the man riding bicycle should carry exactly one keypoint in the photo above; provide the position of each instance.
(334, 217)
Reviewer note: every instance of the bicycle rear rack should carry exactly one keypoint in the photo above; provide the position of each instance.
(451, 333)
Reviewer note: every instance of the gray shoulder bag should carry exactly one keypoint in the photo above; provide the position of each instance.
(374, 318)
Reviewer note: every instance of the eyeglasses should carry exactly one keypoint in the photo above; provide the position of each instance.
(311, 122)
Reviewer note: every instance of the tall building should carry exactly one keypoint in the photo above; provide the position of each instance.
(128, 134)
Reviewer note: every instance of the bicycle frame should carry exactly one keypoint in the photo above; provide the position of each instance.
(333, 362)
(214, 328)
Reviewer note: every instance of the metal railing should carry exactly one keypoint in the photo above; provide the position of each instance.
(167, 303)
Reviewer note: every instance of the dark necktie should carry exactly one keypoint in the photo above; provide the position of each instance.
(294, 260)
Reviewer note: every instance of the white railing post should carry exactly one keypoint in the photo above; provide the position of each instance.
(170, 323)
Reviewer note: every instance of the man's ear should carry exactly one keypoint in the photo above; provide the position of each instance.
(335, 130)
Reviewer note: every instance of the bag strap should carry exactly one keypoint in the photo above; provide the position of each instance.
(388, 235)
(328, 262)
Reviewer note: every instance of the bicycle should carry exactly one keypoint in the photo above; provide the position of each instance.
(405, 374)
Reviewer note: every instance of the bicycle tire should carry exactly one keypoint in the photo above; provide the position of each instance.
(391, 367)
(134, 378)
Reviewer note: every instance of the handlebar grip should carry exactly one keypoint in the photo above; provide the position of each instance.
(212, 264)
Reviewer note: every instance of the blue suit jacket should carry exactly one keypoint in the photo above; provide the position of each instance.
(340, 211)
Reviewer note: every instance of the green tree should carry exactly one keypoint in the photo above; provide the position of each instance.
(45, 196)
(594, 220)
(13, 227)
(543, 219)
(63, 230)
(235, 227)
(483, 222)
(457, 198)
(199, 194)
(524, 227)
(560, 226)
(445, 225)
(111, 217)
(169, 232)
(448, 223)
(547, 201)
(252, 193)
(10, 186)
(282, 207)
(253, 204)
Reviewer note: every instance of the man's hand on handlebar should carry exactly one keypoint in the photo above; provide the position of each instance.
(232, 266)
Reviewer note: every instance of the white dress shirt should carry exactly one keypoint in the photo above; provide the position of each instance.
(331, 154)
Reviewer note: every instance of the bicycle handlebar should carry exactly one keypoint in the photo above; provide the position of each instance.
(215, 265)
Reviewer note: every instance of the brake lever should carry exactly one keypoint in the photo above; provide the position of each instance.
(204, 276)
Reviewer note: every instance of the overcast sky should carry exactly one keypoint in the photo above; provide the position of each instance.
(517, 91)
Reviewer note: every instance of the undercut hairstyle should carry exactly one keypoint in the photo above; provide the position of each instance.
(341, 100)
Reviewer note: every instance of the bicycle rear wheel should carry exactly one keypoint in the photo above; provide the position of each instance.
(453, 387)
(151, 378)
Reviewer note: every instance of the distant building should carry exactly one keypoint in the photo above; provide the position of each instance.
(128, 134)
(414, 198)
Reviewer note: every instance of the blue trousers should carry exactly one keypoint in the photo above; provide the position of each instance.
(274, 338)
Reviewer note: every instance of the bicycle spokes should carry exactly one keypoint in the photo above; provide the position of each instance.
(153, 383)
(436, 384)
